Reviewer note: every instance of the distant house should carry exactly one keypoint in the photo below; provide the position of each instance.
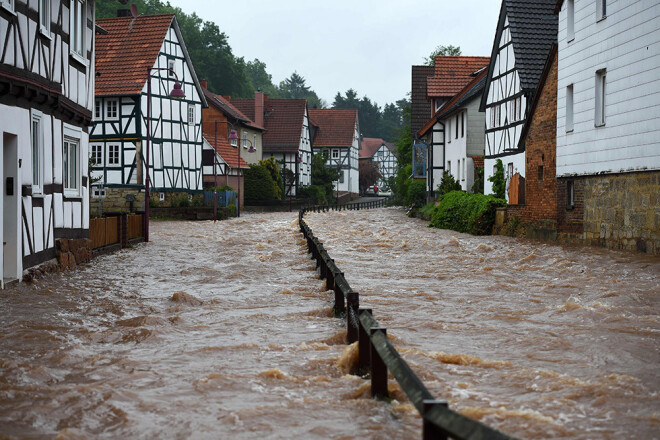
(46, 103)
(287, 136)
(383, 154)
(119, 134)
(608, 123)
(222, 155)
(455, 134)
(451, 75)
(525, 32)
(337, 131)
(220, 113)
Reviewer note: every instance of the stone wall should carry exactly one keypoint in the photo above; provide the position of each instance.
(70, 252)
(621, 211)
(115, 200)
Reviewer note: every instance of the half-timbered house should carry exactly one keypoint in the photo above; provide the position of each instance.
(287, 136)
(525, 32)
(455, 134)
(337, 131)
(133, 52)
(383, 154)
(46, 101)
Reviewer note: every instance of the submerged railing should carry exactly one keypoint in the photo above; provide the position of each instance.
(377, 355)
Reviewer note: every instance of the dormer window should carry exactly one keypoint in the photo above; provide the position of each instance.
(78, 26)
(44, 16)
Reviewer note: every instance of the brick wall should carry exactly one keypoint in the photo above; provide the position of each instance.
(570, 218)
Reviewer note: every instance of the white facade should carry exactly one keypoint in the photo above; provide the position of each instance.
(506, 107)
(459, 149)
(118, 138)
(346, 160)
(623, 49)
(45, 108)
(387, 165)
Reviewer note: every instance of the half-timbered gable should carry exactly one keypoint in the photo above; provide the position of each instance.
(383, 154)
(122, 104)
(287, 135)
(337, 131)
(525, 32)
(46, 96)
(456, 134)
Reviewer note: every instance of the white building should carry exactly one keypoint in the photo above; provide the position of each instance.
(383, 155)
(456, 134)
(526, 30)
(608, 121)
(46, 101)
(118, 138)
(337, 131)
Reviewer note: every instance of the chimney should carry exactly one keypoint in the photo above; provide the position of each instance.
(124, 13)
(204, 83)
(259, 108)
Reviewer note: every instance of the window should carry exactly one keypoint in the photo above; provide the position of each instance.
(245, 140)
(113, 154)
(449, 166)
(161, 197)
(341, 176)
(569, 108)
(254, 141)
(44, 16)
(449, 131)
(78, 24)
(98, 192)
(37, 153)
(71, 166)
(7, 4)
(540, 173)
(111, 109)
(516, 109)
(570, 194)
(509, 171)
(462, 124)
(570, 20)
(495, 116)
(97, 109)
(97, 154)
(601, 9)
(335, 153)
(191, 114)
(170, 66)
(456, 128)
(464, 169)
(234, 142)
(458, 171)
(600, 97)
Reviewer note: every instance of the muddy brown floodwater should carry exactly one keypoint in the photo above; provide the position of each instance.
(224, 331)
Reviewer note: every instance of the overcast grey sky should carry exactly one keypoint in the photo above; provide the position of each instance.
(340, 44)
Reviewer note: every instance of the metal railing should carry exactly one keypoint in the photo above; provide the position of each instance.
(377, 355)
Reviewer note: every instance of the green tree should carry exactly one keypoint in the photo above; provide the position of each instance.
(324, 176)
(447, 184)
(260, 78)
(499, 183)
(442, 50)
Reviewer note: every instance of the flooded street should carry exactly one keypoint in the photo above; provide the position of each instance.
(225, 331)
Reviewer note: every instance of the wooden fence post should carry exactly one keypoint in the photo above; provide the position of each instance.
(429, 431)
(352, 324)
(364, 344)
(339, 296)
(378, 368)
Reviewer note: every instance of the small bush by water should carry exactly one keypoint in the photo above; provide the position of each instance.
(465, 212)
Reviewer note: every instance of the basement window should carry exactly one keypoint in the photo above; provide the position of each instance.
(570, 194)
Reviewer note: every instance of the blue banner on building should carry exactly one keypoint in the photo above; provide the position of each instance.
(419, 159)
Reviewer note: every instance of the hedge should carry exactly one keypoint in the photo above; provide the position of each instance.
(465, 212)
(259, 184)
(315, 192)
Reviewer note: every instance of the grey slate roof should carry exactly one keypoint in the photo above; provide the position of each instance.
(533, 26)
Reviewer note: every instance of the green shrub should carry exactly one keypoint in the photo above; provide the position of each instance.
(224, 188)
(447, 184)
(478, 186)
(154, 202)
(232, 210)
(416, 193)
(402, 181)
(273, 168)
(259, 184)
(198, 200)
(179, 201)
(465, 212)
(499, 184)
(315, 192)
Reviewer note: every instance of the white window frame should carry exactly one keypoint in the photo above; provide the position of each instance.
(77, 27)
(245, 139)
(98, 192)
(96, 154)
(8, 5)
(600, 94)
(114, 154)
(37, 150)
(335, 153)
(254, 141)
(71, 150)
(233, 142)
(170, 67)
(191, 114)
(98, 109)
(570, 110)
(449, 130)
(570, 20)
(44, 14)
(462, 124)
(456, 128)
(111, 114)
(464, 169)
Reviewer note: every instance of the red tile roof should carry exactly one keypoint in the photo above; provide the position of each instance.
(228, 153)
(225, 106)
(336, 127)
(125, 53)
(369, 146)
(452, 73)
(283, 121)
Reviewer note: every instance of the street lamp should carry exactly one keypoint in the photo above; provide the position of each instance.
(238, 172)
(232, 136)
(177, 93)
